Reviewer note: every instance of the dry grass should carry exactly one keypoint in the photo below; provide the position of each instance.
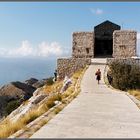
(43, 122)
(56, 87)
(30, 116)
(25, 102)
(77, 74)
(69, 92)
(135, 93)
(66, 94)
(47, 89)
(43, 108)
(26, 119)
(57, 110)
(50, 103)
(7, 128)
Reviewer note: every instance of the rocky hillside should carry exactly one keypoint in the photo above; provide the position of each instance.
(14, 94)
(48, 99)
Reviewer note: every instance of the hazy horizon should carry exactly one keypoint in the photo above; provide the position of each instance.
(34, 34)
(23, 69)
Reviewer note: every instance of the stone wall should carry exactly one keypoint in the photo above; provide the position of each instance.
(67, 66)
(83, 45)
(131, 61)
(124, 43)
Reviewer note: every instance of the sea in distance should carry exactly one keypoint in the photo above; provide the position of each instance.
(21, 69)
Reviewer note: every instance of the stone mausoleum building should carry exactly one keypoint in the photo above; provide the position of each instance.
(107, 40)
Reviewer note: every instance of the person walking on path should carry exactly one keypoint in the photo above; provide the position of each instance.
(55, 75)
(98, 75)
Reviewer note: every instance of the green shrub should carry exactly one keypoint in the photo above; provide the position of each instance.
(125, 76)
(50, 81)
(12, 105)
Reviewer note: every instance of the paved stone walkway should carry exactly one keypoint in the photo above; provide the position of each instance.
(97, 112)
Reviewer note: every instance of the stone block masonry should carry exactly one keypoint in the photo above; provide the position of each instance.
(67, 66)
(83, 45)
(130, 61)
(124, 43)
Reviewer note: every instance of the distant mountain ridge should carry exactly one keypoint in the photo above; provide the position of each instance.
(17, 92)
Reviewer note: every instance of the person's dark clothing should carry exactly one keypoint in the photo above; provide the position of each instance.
(98, 74)
(55, 75)
(98, 77)
(109, 79)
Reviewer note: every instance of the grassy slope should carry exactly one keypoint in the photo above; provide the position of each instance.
(8, 128)
(135, 93)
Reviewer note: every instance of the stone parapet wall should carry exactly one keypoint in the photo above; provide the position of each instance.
(124, 43)
(67, 66)
(83, 45)
(131, 61)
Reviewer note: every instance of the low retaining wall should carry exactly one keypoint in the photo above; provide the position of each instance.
(67, 66)
(131, 61)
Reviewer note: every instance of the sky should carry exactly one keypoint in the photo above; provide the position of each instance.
(44, 29)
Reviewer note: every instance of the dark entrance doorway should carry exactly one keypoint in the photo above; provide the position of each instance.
(104, 39)
(103, 48)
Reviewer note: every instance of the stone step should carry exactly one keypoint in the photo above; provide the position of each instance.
(98, 61)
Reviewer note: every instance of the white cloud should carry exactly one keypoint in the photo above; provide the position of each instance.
(138, 44)
(97, 11)
(44, 49)
(24, 50)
